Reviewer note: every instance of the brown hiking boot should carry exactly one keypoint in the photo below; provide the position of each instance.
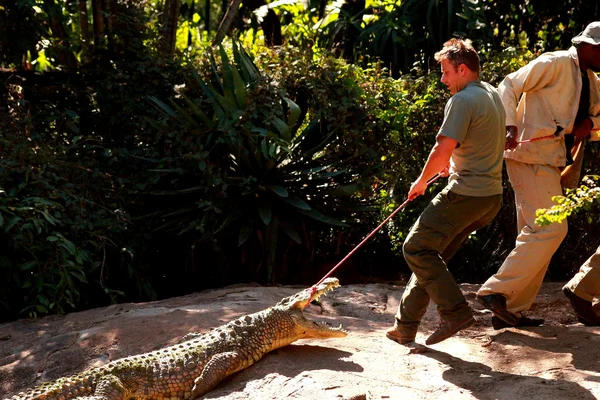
(449, 328)
(397, 336)
(586, 314)
(496, 303)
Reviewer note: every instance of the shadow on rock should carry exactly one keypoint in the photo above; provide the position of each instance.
(481, 380)
(574, 340)
(288, 363)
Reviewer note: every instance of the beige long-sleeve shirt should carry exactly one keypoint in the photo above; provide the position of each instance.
(543, 96)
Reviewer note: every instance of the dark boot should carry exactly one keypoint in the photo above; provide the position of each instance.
(497, 323)
(496, 303)
(586, 314)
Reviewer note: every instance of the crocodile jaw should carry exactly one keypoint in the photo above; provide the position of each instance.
(306, 328)
(301, 299)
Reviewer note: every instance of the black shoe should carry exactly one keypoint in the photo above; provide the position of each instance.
(497, 323)
(496, 303)
(584, 310)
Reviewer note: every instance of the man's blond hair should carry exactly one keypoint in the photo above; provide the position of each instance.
(459, 51)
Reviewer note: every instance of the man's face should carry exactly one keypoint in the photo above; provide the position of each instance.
(452, 76)
(595, 58)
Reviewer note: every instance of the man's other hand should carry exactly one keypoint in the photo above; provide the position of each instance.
(581, 130)
(511, 137)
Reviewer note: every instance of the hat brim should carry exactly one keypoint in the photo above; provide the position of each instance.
(580, 38)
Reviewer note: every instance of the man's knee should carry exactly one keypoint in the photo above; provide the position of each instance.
(411, 246)
(561, 231)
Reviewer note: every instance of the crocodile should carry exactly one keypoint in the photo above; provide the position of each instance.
(200, 361)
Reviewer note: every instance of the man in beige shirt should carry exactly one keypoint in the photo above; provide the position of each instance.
(555, 95)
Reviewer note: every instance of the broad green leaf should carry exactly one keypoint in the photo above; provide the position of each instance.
(198, 112)
(214, 67)
(264, 149)
(264, 210)
(69, 246)
(227, 103)
(12, 222)
(297, 202)
(228, 85)
(48, 217)
(79, 275)
(164, 107)
(283, 128)
(249, 65)
(43, 300)
(292, 233)
(210, 94)
(239, 88)
(28, 265)
(183, 115)
(245, 232)
(294, 112)
(41, 308)
(279, 190)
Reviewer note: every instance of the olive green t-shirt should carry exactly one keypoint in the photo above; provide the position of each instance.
(475, 118)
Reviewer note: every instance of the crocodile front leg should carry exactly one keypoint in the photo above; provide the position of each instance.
(216, 369)
(109, 387)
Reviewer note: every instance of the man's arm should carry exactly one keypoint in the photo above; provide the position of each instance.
(536, 75)
(438, 159)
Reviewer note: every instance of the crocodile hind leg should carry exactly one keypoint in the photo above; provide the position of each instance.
(218, 368)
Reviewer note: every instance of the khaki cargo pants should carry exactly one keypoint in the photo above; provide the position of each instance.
(440, 230)
(586, 283)
(522, 272)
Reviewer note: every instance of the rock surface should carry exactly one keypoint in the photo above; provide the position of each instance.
(560, 360)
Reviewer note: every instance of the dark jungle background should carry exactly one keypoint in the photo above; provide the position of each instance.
(153, 148)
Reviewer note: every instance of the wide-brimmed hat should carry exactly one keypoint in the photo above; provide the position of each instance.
(591, 34)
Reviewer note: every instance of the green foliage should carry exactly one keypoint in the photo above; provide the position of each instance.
(262, 167)
(574, 200)
(56, 213)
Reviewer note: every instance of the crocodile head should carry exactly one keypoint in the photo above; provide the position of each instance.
(305, 328)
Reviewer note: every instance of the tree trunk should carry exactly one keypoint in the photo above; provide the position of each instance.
(63, 49)
(207, 17)
(108, 22)
(98, 13)
(270, 24)
(191, 21)
(226, 22)
(169, 26)
(84, 26)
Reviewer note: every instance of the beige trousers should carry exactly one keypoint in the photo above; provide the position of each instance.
(521, 275)
(586, 283)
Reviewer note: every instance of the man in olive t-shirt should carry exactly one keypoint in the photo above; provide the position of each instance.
(469, 148)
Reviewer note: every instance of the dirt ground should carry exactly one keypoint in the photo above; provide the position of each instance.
(559, 360)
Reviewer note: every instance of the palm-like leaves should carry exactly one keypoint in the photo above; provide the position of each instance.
(262, 174)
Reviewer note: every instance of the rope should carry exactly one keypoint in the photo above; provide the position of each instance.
(536, 139)
(313, 289)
